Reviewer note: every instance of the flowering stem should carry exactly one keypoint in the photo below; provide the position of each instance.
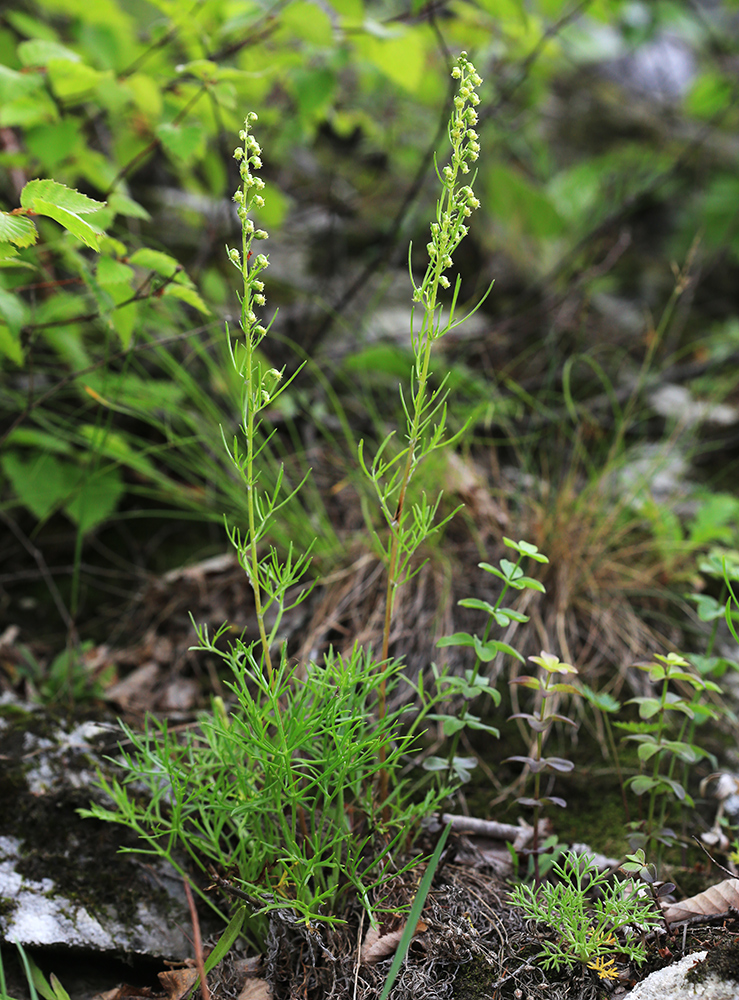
(454, 206)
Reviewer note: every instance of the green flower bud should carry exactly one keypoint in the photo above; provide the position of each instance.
(261, 234)
(262, 261)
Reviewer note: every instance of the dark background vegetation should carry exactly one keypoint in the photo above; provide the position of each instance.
(599, 379)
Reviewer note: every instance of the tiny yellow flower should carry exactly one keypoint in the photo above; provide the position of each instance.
(604, 969)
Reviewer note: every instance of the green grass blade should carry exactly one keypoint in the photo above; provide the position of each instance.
(27, 963)
(415, 913)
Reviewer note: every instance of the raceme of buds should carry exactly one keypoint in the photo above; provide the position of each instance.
(247, 197)
(457, 202)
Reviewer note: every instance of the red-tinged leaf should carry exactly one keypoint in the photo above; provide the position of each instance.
(525, 681)
(555, 717)
(562, 689)
(558, 764)
(529, 761)
(538, 725)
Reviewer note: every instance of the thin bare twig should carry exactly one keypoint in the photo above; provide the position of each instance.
(197, 942)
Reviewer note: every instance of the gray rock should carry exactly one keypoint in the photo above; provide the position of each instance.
(671, 984)
(63, 881)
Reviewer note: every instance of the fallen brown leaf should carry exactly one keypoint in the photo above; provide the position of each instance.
(177, 982)
(377, 946)
(125, 992)
(714, 900)
(255, 989)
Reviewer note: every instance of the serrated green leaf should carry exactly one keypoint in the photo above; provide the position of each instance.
(61, 196)
(17, 229)
(71, 222)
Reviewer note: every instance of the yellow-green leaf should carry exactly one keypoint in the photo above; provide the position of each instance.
(401, 58)
(10, 345)
(71, 222)
(70, 80)
(61, 195)
(17, 229)
(188, 295)
(155, 260)
(40, 51)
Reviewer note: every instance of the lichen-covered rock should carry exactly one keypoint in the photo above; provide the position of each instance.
(62, 878)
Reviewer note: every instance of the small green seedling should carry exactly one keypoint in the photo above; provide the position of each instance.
(589, 931)
(540, 721)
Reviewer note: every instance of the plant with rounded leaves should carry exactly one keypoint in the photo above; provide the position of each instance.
(473, 684)
(655, 745)
(540, 722)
